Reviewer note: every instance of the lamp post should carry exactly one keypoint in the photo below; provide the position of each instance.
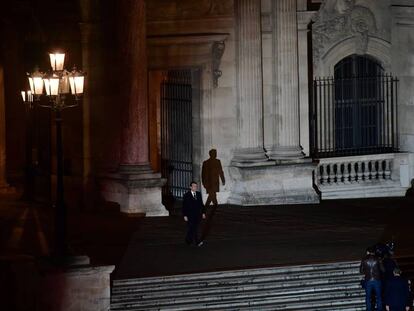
(63, 89)
(28, 193)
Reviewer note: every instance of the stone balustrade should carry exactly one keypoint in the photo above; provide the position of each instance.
(375, 175)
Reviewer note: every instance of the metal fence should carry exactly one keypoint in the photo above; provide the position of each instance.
(354, 116)
(176, 132)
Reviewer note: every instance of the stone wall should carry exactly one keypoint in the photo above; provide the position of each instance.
(193, 29)
(381, 29)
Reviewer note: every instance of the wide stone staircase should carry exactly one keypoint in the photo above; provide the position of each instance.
(329, 286)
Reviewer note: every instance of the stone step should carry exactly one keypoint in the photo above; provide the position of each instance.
(329, 286)
(282, 296)
(345, 282)
(291, 302)
(236, 281)
(351, 305)
(339, 266)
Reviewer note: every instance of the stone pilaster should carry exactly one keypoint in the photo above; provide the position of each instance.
(135, 186)
(304, 19)
(285, 72)
(249, 83)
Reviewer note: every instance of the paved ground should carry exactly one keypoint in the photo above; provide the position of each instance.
(263, 236)
(239, 237)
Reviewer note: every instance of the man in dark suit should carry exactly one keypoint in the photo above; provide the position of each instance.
(397, 293)
(193, 212)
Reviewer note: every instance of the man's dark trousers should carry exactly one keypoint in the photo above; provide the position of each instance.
(192, 232)
(193, 209)
(373, 286)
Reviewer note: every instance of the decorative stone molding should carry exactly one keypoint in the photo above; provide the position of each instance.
(218, 51)
(180, 9)
(341, 19)
(200, 45)
(378, 48)
(304, 18)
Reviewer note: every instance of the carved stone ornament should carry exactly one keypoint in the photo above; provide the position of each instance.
(218, 51)
(341, 19)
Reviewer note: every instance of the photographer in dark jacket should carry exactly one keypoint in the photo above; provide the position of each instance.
(193, 212)
(371, 267)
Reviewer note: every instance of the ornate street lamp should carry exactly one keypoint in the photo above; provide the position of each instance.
(62, 89)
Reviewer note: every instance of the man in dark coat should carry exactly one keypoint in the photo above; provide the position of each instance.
(193, 212)
(211, 173)
(397, 293)
(371, 267)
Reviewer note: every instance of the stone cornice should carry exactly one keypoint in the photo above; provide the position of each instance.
(304, 18)
(186, 39)
(403, 15)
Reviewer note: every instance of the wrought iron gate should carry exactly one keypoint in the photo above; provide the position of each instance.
(354, 113)
(176, 132)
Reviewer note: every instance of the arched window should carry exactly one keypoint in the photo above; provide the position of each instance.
(354, 112)
(357, 108)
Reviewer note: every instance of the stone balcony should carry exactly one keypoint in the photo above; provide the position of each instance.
(367, 176)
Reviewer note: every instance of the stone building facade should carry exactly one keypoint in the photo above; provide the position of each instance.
(265, 80)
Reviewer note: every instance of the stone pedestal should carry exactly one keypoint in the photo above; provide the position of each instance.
(75, 288)
(273, 183)
(137, 190)
(33, 284)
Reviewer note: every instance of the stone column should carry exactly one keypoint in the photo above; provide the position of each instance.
(134, 149)
(249, 83)
(285, 72)
(135, 187)
(89, 29)
(3, 182)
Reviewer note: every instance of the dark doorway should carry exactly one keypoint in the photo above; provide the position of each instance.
(176, 101)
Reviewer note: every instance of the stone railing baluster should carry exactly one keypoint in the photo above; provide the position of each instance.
(340, 173)
(388, 168)
(359, 171)
(367, 171)
(381, 169)
(331, 173)
(352, 172)
(325, 175)
(346, 172)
